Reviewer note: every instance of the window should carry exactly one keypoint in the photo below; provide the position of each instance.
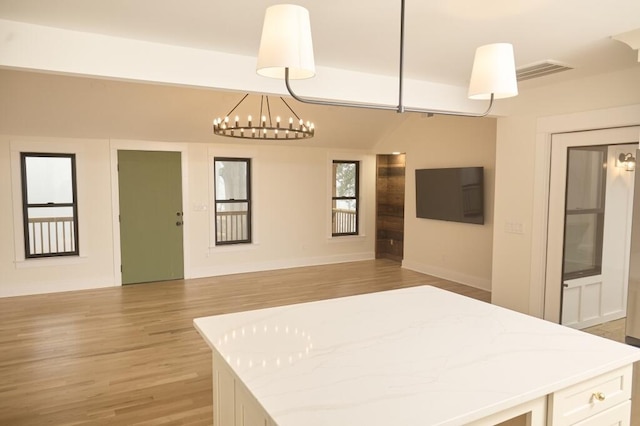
(584, 220)
(344, 205)
(232, 200)
(50, 210)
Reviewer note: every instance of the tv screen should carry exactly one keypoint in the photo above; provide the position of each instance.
(452, 194)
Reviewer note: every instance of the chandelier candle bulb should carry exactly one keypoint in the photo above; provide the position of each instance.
(237, 119)
(264, 121)
(249, 119)
(278, 122)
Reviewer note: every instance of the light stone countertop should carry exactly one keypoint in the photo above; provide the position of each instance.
(415, 356)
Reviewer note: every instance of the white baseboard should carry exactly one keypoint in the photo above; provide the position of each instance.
(213, 271)
(56, 286)
(597, 321)
(447, 274)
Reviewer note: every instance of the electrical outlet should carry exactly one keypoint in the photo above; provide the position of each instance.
(514, 228)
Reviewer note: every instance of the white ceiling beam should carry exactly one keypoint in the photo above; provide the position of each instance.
(47, 49)
(631, 38)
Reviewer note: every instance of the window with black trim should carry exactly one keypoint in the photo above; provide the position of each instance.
(345, 198)
(49, 203)
(232, 200)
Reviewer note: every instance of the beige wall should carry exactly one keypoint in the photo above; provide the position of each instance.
(291, 216)
(291, 181)
(94, 266)
(92, 113)
(291, 221)
(522, 172)
(455, 251)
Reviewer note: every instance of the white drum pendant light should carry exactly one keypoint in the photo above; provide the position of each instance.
(286, 43)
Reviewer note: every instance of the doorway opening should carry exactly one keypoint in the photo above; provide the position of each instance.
(598, 203)
(390, 190)
(589, 232)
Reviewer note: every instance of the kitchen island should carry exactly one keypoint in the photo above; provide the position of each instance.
(414, 356)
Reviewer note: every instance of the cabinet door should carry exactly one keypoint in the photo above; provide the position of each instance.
(223, 394)
(248, 411)
(586, 399)
(620, 415)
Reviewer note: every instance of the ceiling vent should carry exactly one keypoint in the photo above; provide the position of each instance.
(540, 69)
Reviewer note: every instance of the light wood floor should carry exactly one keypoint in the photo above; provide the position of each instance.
(130, 355)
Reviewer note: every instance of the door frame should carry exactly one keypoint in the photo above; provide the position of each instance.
(133, 145)
(626, 116)
(557, 201)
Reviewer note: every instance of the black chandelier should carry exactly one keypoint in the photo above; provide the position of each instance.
(265, 127)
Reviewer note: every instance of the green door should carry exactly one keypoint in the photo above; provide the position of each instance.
(150, 188)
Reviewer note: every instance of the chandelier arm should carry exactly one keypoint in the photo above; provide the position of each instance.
(234, 108)
(261, 105)
(290, 109)
(269, 113)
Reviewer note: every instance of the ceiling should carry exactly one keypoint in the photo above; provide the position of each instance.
(362, 35)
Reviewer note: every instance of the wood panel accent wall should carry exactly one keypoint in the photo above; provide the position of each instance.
(390, 181)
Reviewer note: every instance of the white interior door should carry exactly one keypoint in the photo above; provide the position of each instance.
(583, 298)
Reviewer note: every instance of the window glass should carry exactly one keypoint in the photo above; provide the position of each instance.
(585, 179)
(581, 243)
(231, 179)
(49, 180)
(345, 175)
(584, 215)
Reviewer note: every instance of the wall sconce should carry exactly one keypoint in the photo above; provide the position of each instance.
(627, 161)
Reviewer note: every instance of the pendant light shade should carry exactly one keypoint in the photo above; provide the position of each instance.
(494, 72)
(286, 43)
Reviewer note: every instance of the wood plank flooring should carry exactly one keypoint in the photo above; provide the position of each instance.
(130, 355)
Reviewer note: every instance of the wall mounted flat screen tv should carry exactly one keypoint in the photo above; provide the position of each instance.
(452, 194)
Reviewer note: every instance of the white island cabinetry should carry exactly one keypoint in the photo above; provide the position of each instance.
(411, 357)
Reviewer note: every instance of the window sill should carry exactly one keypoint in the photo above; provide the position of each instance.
(346, 238)
(48, 262)
(234, 247)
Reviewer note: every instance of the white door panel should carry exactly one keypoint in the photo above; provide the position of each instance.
(582, 301)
